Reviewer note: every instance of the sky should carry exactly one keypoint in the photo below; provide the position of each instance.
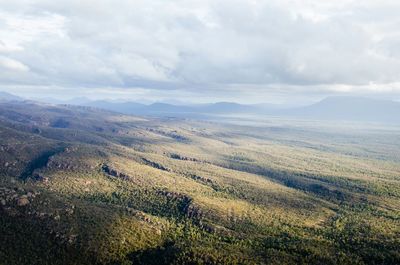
(277, 51)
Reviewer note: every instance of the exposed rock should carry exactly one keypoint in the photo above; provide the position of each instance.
(179, 157)
(115, 173)
(71, 149)
(213, 228)
(72, 238)
(54, 164)
(39, 177)
(174, 195)
(88, 182)
(155, 165)
(22, 201)
(193, 211)
(202, 179)
(173, 134)
(3, 202)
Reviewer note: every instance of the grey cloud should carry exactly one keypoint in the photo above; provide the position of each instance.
(201, 45)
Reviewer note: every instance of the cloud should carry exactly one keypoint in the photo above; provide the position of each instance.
(11, 64)
(195, 46)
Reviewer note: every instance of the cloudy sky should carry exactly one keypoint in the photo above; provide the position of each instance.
(200, 50)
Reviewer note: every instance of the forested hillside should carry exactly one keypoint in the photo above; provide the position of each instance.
(80, 185)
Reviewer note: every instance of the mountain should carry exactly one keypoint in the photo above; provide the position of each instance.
(350, 109)
(161, 109)
(342, 108)
(124, 107)
(228, 107)
(332, 108)
(4, 96)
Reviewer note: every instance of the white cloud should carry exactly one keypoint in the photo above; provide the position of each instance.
(203, 45)
(11, 64)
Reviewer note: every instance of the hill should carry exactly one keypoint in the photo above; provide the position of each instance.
(357, 109)
(162, 109)
(338, 108)
(4, 96)
(350, 109)
(81, 185)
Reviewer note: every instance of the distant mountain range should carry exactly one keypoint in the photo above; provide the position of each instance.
(170, 109)
(331, 108)
(4, 96)
(349, 108)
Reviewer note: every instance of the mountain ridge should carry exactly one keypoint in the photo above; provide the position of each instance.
(340, 108)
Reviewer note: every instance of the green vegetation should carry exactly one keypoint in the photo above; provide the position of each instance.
(85, 186)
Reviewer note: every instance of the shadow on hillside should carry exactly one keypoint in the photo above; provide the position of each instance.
(331, 191)
(161, 255)
(40, 162)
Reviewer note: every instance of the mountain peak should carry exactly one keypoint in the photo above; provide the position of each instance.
(5, 96)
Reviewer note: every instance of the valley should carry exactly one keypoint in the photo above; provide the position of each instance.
(83, 185)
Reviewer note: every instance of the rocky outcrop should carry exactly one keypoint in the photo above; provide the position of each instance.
(216, 229)
(22, 201)
(155, 165)
(5, 148)
(16, 196)
(185, 158)
(175, 195)
(194, 212)
(56, 162)
(114, 173)
(201, 179)
(39, 177)
(60, 165)
(173, 134)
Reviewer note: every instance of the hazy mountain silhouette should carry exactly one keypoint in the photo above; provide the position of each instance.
(332, 108)
(170, 109)
(4, 96)
(123, 107)
(349, 108)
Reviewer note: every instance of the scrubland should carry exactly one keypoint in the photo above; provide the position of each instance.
(85, 186)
